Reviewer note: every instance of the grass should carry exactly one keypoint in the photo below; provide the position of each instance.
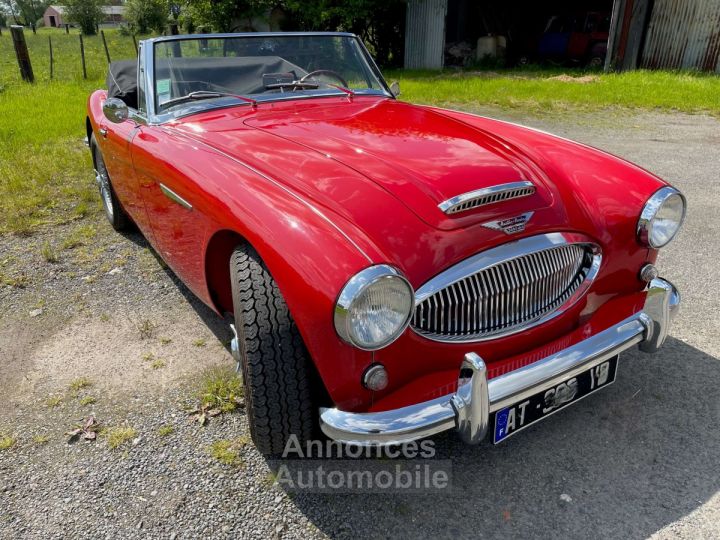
(220, 388)
(228, 452)
(87, 400)
(41, 439)
(48, 252)
(146, 328)
(7, 442)
(53, 401)
(200, 342)
(118, 436)
(78, 384)
(45, 169)
(552, 89)
(19, 280)
(165, 431)
(158, 364)
(79, 236)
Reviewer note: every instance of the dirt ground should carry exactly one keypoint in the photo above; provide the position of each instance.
(638, 460)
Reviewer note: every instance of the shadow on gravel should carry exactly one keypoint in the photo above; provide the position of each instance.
(218, 325)
(628, 461)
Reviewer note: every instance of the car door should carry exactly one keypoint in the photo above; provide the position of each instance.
(173, 201)
(114, 141)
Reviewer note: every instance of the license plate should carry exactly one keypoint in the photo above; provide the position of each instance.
(515, 418)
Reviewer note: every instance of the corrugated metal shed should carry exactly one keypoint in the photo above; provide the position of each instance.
(425, 34)
(683, 34)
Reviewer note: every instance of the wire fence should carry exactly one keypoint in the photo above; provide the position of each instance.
(57, 55)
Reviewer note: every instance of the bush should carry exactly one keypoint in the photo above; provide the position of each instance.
(85, 13)
(146, 15)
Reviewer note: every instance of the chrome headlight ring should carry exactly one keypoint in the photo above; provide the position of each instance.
(374, 308)
(661, 217)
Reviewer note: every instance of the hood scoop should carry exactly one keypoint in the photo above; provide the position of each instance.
(485, 196)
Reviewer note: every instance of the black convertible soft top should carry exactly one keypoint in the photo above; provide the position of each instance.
(230, 74)
(122, 81)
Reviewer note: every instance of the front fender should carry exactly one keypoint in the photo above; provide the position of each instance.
(310, 253)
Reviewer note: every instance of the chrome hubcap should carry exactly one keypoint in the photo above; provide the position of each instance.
(103, 182)
(235, 346)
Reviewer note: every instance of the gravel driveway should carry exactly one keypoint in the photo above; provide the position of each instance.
(637, 460)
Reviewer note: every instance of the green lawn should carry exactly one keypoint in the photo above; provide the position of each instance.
(45, 170)
(555, 89)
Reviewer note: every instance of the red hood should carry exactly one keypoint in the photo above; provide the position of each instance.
(418, 155)
(378, 165)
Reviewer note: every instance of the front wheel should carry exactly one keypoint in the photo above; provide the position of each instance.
(276, 367)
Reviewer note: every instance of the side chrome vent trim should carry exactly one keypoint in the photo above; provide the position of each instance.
(485, 196)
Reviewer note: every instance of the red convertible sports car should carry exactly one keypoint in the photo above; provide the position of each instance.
(391, 270)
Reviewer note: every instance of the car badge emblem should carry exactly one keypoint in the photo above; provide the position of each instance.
(510, 225)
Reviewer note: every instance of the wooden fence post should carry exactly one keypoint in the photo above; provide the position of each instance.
(21, 52)
(174, 31)
(67, 28)
(33, 28)
(51, 56)
(135, 43)
(82, 56)
(107, 53)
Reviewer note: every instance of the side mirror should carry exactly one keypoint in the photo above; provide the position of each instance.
(395, 88)
(115, 110)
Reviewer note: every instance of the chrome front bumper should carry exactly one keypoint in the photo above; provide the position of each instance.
(469, 409)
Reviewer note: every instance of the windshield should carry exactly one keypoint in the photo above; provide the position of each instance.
(259, 68)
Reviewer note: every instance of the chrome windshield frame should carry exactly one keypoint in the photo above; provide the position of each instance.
(147, 49)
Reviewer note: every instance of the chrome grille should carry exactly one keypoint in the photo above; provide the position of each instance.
(507, 295)
(481, 197)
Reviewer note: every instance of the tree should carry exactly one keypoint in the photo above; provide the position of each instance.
(86, 13)
(146, 15)
(25, 11)
(379, 23)
(227, 15)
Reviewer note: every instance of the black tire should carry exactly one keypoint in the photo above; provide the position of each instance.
(113, 209)
(277, 370)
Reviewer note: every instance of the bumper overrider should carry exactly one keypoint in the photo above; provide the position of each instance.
(469, 409)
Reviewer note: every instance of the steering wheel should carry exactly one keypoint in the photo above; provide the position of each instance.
(325, 72)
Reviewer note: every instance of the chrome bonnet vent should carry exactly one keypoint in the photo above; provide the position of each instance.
(506, 289)
(490, 195)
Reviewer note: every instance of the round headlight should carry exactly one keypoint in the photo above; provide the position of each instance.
(661, 218)
(374, 308)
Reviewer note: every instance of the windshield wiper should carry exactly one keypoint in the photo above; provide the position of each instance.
(206, 94)
(350, 93)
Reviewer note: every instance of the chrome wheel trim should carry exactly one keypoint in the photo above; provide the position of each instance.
(103, 182)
